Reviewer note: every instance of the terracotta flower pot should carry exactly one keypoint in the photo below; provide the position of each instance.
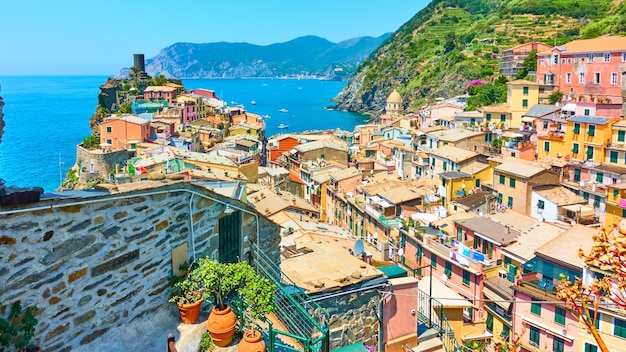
(221, 326)
(189, 312)
(252, 341)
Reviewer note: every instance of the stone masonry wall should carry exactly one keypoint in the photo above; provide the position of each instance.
(103, 162)
(352, 318)
(93, 266)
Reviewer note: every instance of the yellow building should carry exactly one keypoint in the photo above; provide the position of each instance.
(521, 96)
(615, 204)
(616, 149)
(586, 137)
(196, 99)
(457, 184)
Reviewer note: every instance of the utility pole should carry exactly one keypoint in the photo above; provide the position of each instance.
(60, 171)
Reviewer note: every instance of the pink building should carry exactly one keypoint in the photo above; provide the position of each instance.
(437, 112)
(160, 93)
(203, 92)
(588, 70)
(399, 314)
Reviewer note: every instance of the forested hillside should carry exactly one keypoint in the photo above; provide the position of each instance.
(449, 43)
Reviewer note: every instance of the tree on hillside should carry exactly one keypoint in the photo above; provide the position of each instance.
(582, 300)
(487, 94)
(529, 64)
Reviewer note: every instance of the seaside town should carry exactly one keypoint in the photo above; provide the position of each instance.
(437, 230)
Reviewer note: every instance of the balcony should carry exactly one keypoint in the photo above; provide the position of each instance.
(616, 145)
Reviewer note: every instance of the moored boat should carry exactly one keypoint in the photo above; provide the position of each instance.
(282, 125)
(283, 110)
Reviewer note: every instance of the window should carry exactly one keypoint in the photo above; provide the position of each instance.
(506, 331)
(459, 234)
(466, 277)
(524, 103)
(596, 201)
(534, 336)
(557, 344)
(614, 78)
(581, 78)
(569, 60)
(433, 260)
(502, 118)
(541, 61)
(525, 90)
(607, 57)
(624, 57)
(621, 136)
(596, 79)
(586, 195)
(599, 177)
(541, 204)
(109, 141)
(509, 202)
(576, 175)
(545, 125)
(568, 77)
(502, 178)
(559, 315)
(546, 146)
(590, 348)
(535, 308)
(488, 117)
(613, 156)
(589, 152)
(591, 130)
(109, 129)
(619, 327)
(489, 322)
(575, 148)
(499, 199)
(477, 183)
(576, 128)
(591, 315)
(586, 113)
(615, 193)
(445, 166)
(556, 59)
(448, 270)
(590, 57)
(512, 182)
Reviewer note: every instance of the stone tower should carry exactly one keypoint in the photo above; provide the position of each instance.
(139, 61)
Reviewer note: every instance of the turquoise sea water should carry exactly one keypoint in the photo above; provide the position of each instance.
(46, 116)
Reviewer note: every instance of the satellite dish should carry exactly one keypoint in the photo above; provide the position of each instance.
(359, 246)
(444, 278)
(401, 251)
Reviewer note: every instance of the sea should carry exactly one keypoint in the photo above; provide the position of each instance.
(47, 116)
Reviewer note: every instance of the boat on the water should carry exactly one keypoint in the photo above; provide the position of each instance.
(283, 110)
(266, 116)
(282, 125)
(253, 102)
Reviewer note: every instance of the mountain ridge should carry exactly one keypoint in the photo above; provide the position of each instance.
(449, 43)
(308, 55)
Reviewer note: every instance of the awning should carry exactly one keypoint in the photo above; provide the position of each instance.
(384, 203)
(580, 209)
(569, 107)
(375, 199)
(528, 119)
(512, 134)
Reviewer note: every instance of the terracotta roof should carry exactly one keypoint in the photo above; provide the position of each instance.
(564, 248)
(519, 169)
(453, 153)
(399, 195)
(504, 107)
(522, 82)
(473, 200)
(490, 230)
(600, 44)
(559, 195)
(530, 240)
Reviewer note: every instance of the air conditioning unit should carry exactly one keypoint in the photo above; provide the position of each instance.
(558, 155)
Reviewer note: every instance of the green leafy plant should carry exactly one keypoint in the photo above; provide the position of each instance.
(218, 280)
(185, 289)
(91, 142)
(206, 343)
(258, 294)
(18, 328)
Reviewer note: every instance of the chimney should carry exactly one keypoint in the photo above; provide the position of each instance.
(267, 211)
(293, 200)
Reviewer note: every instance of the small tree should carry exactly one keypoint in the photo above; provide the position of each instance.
(608, 253)
(258, 294)
(220, 279)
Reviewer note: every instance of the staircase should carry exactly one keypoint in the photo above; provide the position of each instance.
(429, 341)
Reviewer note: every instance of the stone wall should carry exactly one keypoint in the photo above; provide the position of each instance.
(352, 317)
(91, 264)
(102, 161)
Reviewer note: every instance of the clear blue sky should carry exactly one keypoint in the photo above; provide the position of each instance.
(87, 37)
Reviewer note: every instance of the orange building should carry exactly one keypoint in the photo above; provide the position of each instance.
(122, 132)
(277, 146)
(160, 93)
(588, 70)
(513, 58)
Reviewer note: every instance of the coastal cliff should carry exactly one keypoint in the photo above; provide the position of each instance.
(446, 45)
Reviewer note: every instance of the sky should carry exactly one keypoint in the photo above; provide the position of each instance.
(87, 37)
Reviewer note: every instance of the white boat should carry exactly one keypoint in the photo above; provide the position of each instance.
(283, 110)
(282, 125)
(253, 102)
(266, 116)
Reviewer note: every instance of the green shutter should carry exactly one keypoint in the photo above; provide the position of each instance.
(575, 148)
(559, 315)
(546, 146)
(576, 128)
(502, 178)
(466, 277)
(509, 202)
(535, 308)
(512, 182)
(599, 177)
(614, 156)
(433, 260)
(619, 327)
(459, 234)
(621, 136)
(591, 130)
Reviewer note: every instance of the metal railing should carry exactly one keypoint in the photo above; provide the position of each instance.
(438, 321)
(304, 319)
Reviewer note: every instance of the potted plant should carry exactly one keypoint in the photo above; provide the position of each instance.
(258, 294)
(187, 294)
(218, 280)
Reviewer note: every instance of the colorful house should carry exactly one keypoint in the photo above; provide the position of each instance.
(588, 70)
(153, 93)
(123, 132)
